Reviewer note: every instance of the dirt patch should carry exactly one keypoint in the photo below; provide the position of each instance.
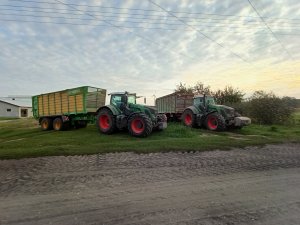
(244, 186)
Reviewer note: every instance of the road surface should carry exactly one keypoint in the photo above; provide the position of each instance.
(255, 185)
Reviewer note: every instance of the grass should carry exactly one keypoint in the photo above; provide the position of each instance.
(23, 138)
(8, 118)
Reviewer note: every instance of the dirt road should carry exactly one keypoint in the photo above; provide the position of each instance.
(242, 186)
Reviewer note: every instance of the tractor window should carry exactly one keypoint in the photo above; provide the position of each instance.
(116, 100)
(131, 99)
(210, 101)
(198, 101)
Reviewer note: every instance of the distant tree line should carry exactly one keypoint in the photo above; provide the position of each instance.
(262, 107)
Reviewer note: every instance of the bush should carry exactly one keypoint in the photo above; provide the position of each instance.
(267, 108)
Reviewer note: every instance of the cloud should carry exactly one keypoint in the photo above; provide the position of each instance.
(146, 51)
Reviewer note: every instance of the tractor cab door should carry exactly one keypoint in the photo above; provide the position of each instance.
(116, 100)
(199, 103)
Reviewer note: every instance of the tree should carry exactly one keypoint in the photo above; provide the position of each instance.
(228, 95)
(182, 88)
(198, 88)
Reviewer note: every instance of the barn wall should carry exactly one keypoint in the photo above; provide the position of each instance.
(4, 110)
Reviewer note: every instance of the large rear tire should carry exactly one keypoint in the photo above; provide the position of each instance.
(188, 118)
(46, 124)
(139, 125)
(106, 122)
(215, 122)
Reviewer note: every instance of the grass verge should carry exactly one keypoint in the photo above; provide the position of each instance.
(23, 138)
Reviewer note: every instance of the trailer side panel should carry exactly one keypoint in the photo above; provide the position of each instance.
(74, 101)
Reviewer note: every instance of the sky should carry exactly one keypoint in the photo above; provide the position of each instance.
(149, 47)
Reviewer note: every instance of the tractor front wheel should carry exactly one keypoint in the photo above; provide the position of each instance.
(139, 125)
(106, 121)
(188, 118)
(215, 122)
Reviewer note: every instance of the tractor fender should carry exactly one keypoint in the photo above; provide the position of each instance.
(112, 108)
(194, 109)
(210, 112)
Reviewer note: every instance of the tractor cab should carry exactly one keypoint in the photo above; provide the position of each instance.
(203, 100)
(122, 98)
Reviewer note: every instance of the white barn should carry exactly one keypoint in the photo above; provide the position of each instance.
(15, 109)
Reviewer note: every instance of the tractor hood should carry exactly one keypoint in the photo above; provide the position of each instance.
(225, 107)
(143, 108)
(226, 111)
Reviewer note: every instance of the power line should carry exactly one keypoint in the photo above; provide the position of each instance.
(262, 19)
(152, 10)
(144, 22)
(139, 14)
(135, 27)
(122, 28)
(203, 34)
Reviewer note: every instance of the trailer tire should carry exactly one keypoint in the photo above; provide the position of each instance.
(58, 124)
(46, 124)
(139, 125)
(215, 122)
(106, 121)
(188, 118)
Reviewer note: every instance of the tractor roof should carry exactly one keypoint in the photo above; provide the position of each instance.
(198, 96)
(121, 93)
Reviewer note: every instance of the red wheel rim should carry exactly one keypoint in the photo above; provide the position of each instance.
(104, 122)
(212, 123)
(188, 119)
(137, 126)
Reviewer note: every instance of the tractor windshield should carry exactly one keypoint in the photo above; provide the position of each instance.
(131, 99)
(117, 99)
(210, 100)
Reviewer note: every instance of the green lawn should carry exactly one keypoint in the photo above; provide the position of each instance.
(23, 138)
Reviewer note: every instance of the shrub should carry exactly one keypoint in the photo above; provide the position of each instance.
(267, 108)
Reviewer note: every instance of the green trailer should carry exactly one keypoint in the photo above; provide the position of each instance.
(71, 107)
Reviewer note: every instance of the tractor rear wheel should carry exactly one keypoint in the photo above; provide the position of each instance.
(215, 122)
(106, 121)
(188, 118)
(46, 124)
(139, 125)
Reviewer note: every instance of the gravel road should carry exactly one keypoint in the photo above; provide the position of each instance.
(255, 185)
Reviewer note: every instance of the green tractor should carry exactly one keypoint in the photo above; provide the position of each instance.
(123, 113)
(205, 113)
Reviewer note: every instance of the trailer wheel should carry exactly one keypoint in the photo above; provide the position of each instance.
(139, 125)
(188, 118)
(106, 121)
(58, 124)
(215, 122)
(46, 124)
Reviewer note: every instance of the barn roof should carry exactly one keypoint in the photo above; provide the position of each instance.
(18, 102)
